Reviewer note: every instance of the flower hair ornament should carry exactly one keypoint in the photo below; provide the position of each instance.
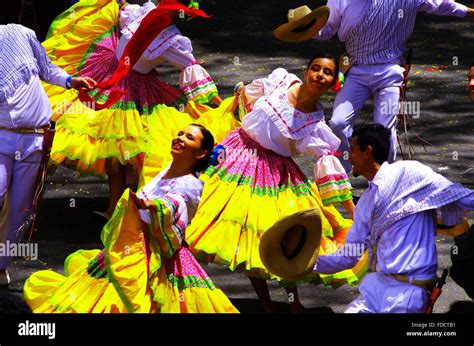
(218, 155)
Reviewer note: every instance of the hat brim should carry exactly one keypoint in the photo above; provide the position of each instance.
(299, 30)
(271, 251)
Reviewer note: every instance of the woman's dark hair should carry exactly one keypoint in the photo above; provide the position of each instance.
(378, 137)
(206, 144)
(325, 56)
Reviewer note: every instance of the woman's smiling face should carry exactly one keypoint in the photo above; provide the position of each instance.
(187, 144)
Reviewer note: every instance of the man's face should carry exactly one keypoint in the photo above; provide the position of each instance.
(470, 85)
(358, 158)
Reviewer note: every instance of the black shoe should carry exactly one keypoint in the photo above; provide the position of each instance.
(4, 279)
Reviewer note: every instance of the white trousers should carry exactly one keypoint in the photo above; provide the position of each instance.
(382, 82)
(20, 157)
(381, 293)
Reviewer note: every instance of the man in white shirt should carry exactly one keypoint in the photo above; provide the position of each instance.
(375, 33)
(395, 220)
(25, 112)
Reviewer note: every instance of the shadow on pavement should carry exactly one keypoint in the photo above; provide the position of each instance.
(253, 306)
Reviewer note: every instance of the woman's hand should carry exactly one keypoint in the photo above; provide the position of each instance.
(349, 206)
(216, 100)
(142, 203)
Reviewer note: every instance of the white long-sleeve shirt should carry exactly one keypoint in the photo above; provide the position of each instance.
(407, 246)
(376, 32)
(344, 14)
(23, 101)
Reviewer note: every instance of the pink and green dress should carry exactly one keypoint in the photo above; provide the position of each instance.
(88, 40)
(258, 183)
(145, 265)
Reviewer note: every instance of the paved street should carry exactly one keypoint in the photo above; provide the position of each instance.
(236, 44)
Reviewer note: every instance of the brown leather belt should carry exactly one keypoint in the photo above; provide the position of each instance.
(294, 151)
(24, 131)
(426, 284)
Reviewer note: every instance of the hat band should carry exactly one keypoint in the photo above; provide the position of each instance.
(304, 27)
(298, 247)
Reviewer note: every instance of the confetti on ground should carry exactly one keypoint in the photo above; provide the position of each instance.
(436, 68)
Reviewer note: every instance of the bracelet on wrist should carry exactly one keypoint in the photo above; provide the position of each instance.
(68, 82)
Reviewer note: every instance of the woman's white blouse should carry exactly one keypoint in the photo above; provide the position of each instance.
(260, 127)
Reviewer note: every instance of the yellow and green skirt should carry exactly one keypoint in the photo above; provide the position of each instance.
(244, 196)
(83, 40)
(131, 274)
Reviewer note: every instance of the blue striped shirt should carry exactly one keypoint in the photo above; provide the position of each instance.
(397, 215)
(376, 31)
(23, 61)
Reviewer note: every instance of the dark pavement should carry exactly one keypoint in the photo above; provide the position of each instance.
(236, 44)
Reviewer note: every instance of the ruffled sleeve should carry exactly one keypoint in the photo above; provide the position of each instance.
(197, 84)
(249, 95)
(258, 88)
(332, 180)
(127, 14)
(194, 80)
(329, 175)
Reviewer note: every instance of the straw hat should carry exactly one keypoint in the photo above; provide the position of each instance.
(290, 247)
(302, 24)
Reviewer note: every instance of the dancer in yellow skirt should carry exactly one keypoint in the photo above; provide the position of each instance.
(88, 40)
(258, 183)
(145, 265)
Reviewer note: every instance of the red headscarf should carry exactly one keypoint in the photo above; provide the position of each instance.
(153, 23)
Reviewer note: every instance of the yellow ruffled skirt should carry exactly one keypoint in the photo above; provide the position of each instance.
(127, 276)
(83, 41)
(244, 196)
(76, 292)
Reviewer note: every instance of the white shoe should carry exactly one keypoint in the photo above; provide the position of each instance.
(4, 278)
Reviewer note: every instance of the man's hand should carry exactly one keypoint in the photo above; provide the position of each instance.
(83, 82)
(345, 63)
(470, 13)
(470, 83)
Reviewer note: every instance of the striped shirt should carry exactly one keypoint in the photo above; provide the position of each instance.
(23, 61)
(376, 31)
(396, 215)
